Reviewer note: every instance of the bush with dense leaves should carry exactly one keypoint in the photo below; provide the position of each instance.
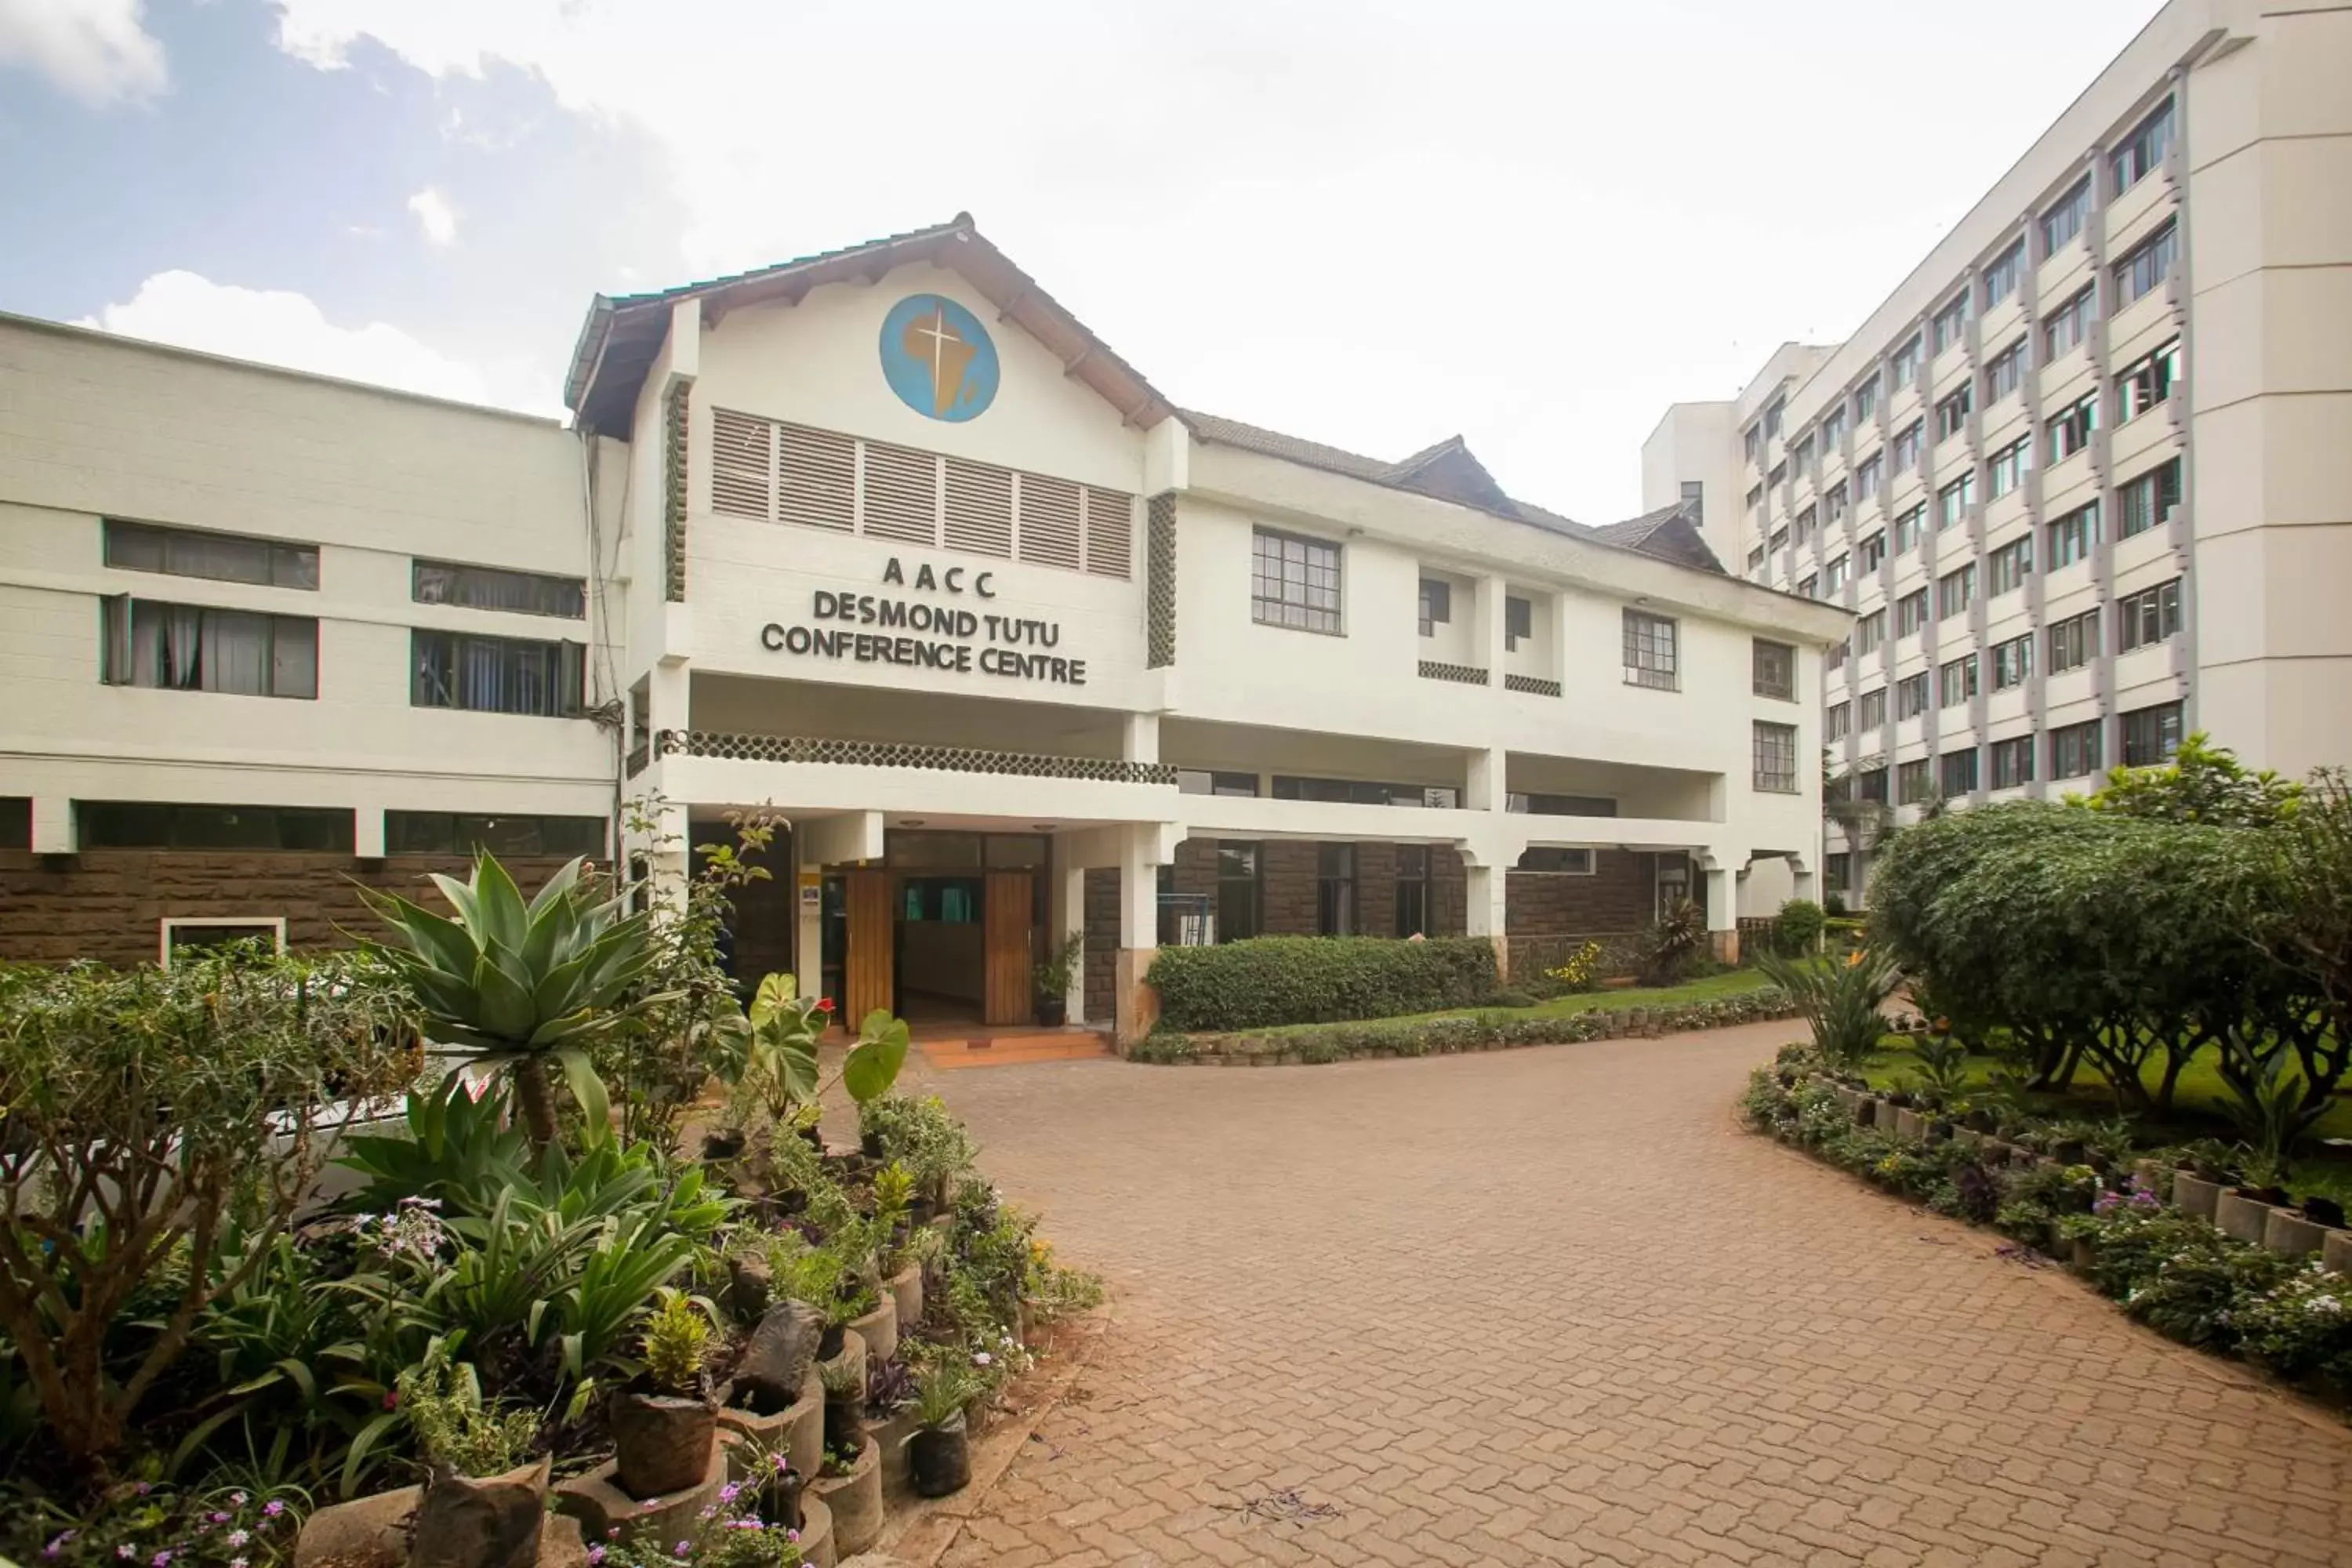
(1275, 980)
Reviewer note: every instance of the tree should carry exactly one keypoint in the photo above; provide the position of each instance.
(2202, 784)
(2297, 907)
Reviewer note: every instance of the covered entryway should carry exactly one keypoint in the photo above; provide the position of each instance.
(947, 929)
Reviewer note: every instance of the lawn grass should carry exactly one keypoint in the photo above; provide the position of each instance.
(1707, 988)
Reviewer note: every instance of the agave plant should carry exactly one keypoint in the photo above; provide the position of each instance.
(522, 984)
(1841, 1001)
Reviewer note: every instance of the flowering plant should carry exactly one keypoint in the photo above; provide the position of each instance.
(1582, 970)
(728, 1533)
(143, 1525)
(2303, 1326)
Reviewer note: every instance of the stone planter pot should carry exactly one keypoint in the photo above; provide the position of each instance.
(498, 1521)
(879, 1328)
(661, 1442)
(1968, 1137)
(890, 1437)
(1908, 1124)
(2290, 1231)
(906, 1289)
(598, 1502)
(2081, 1254)
(856, 1500)
(816, 1533)
(939, 1459)
(2242, 1217)
(797, 1430)
(1865, 1110)
(1889, 1114)
(2335, 1251)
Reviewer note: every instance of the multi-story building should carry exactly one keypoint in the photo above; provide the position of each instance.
(888, 543)
(2082, 479)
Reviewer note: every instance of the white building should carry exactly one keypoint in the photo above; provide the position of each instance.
(888, 542)
(2082, 476)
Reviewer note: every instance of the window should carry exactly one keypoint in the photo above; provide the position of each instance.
(2149, 263)
(1952, 502)
(1906, 446)
(1238, 890)
(1905, 368)
(1870, 708)
(1776, 757)
(2141, 503)
(1909, 528)
(1775, 669)
(1867, 475)
(1951, 323)
(1866, 400)
(2007, 568)
(1832, 429)
(1518, 622)
(2013, 762)
(1910, 613)
(1756, 561)
(1958, 773)
(1802, 457)
(2072, 643)
(1772, 418)
(15, 822)
(1779, 477)
(1834, 574)
(1955, 591)
(142, 824)
(1836, 658)
(1833, 503)
(1556, 861)
(2064, 219)
(1436, 605)
(1911, 784)
(2007, 469)
(2147, 381)
(1562, 805)
(2006, 373)
(1365, 792)
(1205, 780)
(1957, 681)
(1779, 539)
(2143, 149)
(1804, 525)
(493, 588)
(2072, 535)
(1411, 901)
(1911, 696)
(224, 557)
(191, 647)
(1838, 723)
(1870, 554)
(2012, 662)
(1869, 632)
(2071, 429)
(2075, 750)
(1837, 873)
(1809, 586)
(1695, 500)
(2148, 617)
(494, 675)
(2001, 273)
(1650, 659)
(1952, 413)
(1335, 890)
(505, 834)
(1870, 785)
(2151, 735)
(1756, 500)
(2069, 324)
(1294, 582)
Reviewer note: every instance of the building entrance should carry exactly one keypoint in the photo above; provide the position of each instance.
(945, 930)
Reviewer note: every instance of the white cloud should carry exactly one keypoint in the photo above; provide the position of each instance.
(281, 327)
(434, 216)
(96, 50)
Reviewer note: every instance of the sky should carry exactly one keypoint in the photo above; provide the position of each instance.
(1373, 223)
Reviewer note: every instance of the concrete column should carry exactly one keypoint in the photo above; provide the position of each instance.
(367, 833)
(1136, 1006)
(1139, 739)
(53, 825)
(1488, 885)
(808, 938)
(1067, 901)
(1486, 780)
(1487, 629)
(1722, 912)
(1806, 880)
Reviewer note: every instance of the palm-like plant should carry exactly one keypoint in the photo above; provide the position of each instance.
(1841, 1001)
(523, 985)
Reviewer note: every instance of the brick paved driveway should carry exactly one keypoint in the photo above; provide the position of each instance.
(1551, 1305)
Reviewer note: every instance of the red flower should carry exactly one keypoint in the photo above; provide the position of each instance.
(825, 1004)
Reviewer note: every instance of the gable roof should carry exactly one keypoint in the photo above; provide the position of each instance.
(623, 334)
(1668, 533)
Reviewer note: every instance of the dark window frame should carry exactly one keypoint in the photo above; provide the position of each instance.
(1295, 605)
(564, 676)
(461, 585)
(286, 563)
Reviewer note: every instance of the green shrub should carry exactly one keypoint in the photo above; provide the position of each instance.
(1271, 981)
(1800, 927)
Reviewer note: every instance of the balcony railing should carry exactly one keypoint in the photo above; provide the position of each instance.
(1534, 685)
(908, 754)
(1468, 674)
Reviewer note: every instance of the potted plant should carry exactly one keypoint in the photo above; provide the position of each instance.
(665, 1421)
(479, 1486)
(845, 1403)
(1054, 975)
(938, 1450)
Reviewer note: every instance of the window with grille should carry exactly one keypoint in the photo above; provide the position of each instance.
(1958, 773)
(2072, 536)
(1295, 582)
(771, 472)
(2071, 428)
(1775, 670)
(1910, 613)
(222, 557)
(1870, 708)
(2006, 469)
(2075, 750)
(2069, 324)
(1775, 747)
(2001, 274)
(2064, 219)
(2151, 735)
(2012, 761)
(2147, 265)
(2006, 373)
(195, 647)
(2149, 617)
(2012, 662)
(2147, 381)
(2007, 568)
(2144, 503)
(1958, 681)
(495, 675)
(1911, 696)
(2074, 642)
(498, 588)
(1651, 652)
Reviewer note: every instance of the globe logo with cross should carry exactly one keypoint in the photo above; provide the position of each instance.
(938, 358)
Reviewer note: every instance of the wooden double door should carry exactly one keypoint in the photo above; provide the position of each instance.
(870, 977)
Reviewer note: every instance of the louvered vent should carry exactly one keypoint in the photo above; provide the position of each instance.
(902, 494)
(1049, 521)
(820, 477)
(1110, 532)
(979, 508)
(742, 465)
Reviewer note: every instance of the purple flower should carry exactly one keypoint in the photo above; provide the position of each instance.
(613, 1533)
(238, 1537)
(273, 1507)
(682, 1549)
(161, 1560)
(57, 1543)
(125, 1551)
(217, 1517)
(236, 1500)
(237, 1562)
(595, 1556)
(728, 1492)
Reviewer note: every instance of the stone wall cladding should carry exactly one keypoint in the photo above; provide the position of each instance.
(1288, 872)
(1102, 942)
(1615, 898)
(107, 904)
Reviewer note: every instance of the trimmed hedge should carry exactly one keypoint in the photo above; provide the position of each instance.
(1270, 980)
(1445, 1037)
